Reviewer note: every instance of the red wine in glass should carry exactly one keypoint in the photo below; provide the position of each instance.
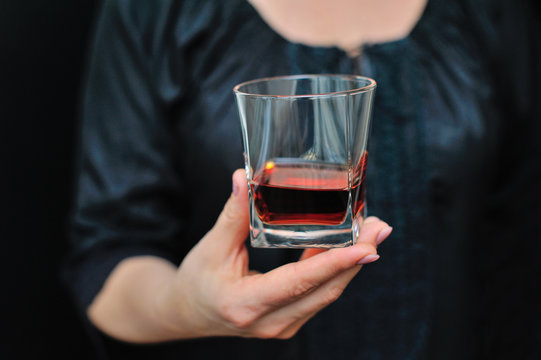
(292, 191)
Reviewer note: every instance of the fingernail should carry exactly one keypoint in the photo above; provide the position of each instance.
(235, 189)
(383, 234)
(368, 259)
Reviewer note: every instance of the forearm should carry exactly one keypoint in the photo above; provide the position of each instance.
(129, 306)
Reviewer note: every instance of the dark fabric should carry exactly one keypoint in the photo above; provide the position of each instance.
(454, 167)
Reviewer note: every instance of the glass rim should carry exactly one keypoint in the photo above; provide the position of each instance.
(371, 85)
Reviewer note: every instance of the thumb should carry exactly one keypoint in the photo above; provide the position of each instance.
(232, 226)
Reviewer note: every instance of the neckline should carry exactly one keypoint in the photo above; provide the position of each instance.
(426, 18)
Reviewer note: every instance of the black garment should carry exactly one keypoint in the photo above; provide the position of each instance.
(454, 167)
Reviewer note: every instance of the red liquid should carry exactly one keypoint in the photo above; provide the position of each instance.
(287, 192)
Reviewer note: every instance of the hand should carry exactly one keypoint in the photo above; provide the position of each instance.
(213, 293)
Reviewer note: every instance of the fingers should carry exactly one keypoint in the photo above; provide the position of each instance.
(308, 253)
(232, 226)
(373, 225)
(290, 282)
(282, 300)
(289, 319)
(306, 295)
(292, 329)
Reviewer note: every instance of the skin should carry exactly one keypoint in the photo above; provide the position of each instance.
(347, 24)
(213, 292)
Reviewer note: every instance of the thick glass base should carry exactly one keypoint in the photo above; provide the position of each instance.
(273, 238)
(303, 236)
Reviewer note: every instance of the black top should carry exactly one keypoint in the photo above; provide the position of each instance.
(454, 167)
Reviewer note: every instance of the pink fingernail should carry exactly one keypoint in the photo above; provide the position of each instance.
(383, 234)
(235, 189)
(368, 259)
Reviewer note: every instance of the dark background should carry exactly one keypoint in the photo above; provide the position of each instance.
(42, 50)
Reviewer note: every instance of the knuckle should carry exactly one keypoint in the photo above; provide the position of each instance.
(367, 248)
(300, 289)
(332, 294)
(229, 213)
(287, 334)
(336, 268)
(239, 316)
(269, 332)
(371, 219)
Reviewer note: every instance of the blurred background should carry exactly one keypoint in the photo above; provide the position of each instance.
(42, 50)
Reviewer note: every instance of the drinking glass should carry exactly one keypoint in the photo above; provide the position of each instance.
(305, 140)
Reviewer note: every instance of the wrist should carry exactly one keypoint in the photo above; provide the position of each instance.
(174, 314)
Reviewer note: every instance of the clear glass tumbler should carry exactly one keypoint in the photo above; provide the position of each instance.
(305, 142)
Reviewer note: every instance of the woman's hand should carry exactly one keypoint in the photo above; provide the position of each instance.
(213, 293)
